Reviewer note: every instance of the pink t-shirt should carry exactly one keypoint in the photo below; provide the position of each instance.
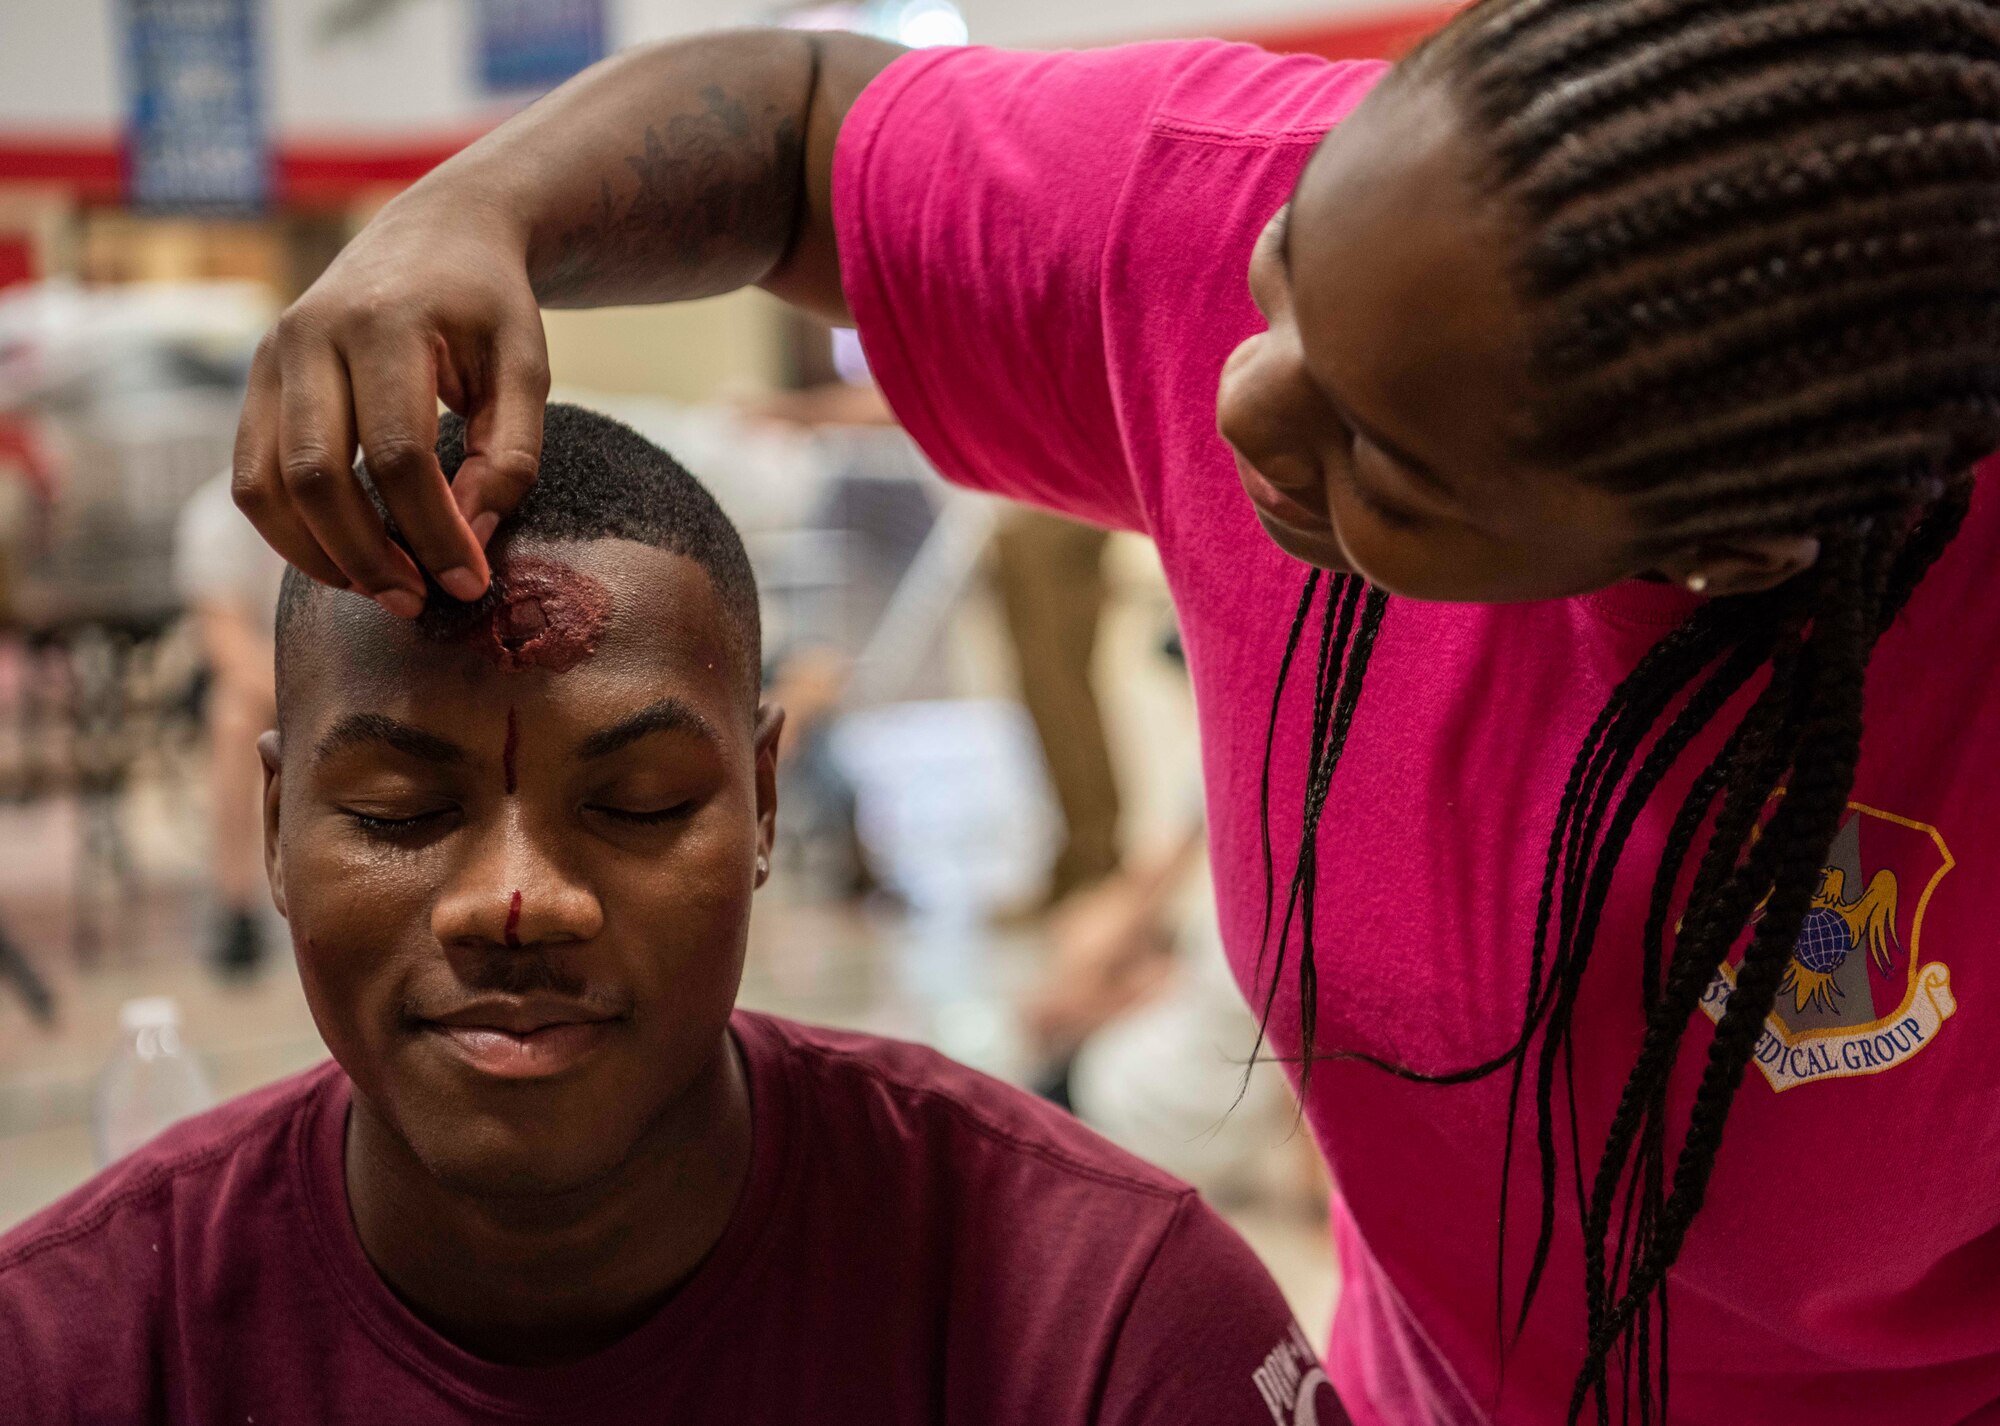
(917, 1245)
(1046, 255)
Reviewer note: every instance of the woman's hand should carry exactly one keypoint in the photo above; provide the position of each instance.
(676, 171)
(431, 302)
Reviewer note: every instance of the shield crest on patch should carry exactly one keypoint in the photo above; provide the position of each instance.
(1858, 995)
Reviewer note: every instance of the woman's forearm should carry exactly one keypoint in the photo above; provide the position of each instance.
(668, 172)
(677, 171)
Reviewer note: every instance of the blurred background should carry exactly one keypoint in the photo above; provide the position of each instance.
(991, 836)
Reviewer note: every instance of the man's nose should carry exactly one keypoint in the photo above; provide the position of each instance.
(511, 890)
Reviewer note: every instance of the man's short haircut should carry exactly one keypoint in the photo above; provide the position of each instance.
(599, 480)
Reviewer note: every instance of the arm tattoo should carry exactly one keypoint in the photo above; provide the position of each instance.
(714, 198)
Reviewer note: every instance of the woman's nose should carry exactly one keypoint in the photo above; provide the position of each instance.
(1246, 405)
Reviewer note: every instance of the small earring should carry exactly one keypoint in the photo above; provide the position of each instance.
(763, 865)
(1697, 583)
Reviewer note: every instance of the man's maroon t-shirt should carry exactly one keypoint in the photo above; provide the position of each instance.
(915, 1243)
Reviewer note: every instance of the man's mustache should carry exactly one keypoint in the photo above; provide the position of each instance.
(509, 972)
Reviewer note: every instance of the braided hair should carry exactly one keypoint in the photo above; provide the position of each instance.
(1760, 260)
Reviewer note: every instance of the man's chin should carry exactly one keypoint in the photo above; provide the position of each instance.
(491, 1138)
(516, 1163)
(517, 1141)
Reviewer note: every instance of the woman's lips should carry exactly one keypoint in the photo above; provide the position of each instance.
(1273, 502)
(534, 1054)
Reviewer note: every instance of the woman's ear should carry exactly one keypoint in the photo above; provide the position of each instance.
(1748, 564)
(274, 864)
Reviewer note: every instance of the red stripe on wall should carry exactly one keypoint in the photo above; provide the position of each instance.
(326, 173)
(90, 165)
(309, 174)
(17, 264)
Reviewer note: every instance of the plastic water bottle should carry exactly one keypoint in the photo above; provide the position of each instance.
(150, 1083)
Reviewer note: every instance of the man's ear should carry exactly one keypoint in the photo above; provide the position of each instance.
(770, 727)
(274, 863)
(1748, 564)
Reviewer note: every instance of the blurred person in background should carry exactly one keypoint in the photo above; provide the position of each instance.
(27, 485)
(1050, 575)
(27, 481)
(1157, 1049)
(812, 679)
(1052, 591)
(1144, 1036)
(1600, 393)
(1111, 947)
(229, 579)
(551, 1173)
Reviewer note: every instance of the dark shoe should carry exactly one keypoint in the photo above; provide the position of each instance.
(239, 945)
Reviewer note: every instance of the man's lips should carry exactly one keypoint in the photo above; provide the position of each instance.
(1275, 503)
(520, 1038)
(518, 1014)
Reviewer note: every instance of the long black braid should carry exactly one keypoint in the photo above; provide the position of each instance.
(1763, 260)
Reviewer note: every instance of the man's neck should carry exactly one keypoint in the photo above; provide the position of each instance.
(537, 1281)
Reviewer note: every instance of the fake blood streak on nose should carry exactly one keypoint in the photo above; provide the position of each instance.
(507, 753)
(513, 923)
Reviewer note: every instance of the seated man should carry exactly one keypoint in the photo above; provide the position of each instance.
(551, 1174)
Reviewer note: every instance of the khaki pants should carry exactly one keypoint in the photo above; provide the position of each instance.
(1051, 581)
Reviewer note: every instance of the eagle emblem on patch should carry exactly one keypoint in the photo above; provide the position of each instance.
(1858, 997)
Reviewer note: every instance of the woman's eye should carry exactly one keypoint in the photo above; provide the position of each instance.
(1399, 517)
(1388, 514)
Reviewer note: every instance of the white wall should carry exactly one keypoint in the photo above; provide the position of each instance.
(1047, 23)
(58, 65)
(1027, 23)
(410, 69)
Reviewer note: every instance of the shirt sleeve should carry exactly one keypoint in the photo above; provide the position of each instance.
(25, 1393)
(1208, 1338)
(79, 1327)
(975, 192)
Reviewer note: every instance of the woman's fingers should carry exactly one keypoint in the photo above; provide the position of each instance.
(258, 488)
(402, 318)
(316, 468)
(395, 382)
(503, 427)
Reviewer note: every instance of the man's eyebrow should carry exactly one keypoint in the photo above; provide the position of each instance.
(669, 715)
(357, 728)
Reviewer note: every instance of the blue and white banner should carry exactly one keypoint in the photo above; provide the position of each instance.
(532, 45)
(195, 132)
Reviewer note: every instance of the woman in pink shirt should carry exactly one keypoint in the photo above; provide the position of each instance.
(1596, 461)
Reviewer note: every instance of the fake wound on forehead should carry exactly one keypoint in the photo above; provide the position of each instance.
(538, 614)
